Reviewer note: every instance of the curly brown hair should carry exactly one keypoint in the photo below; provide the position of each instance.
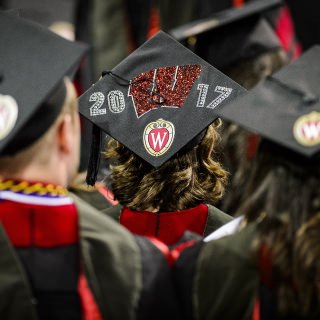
(284, 187)
(183, 182)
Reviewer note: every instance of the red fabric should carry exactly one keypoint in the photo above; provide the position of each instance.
(256, 310)
(90, 310)
(265, 266)
(165, 226)
(37, 225)
(252, 145)
(286, 34)
(154, 22)
(238, 3)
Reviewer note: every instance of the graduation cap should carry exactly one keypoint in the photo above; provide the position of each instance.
(33, 63)
(231, 35)
(156, 101)
(285, 108)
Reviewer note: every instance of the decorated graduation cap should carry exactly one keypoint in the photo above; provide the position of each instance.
(156, 101)
(33, 63)
(231, 35)
(285, 108)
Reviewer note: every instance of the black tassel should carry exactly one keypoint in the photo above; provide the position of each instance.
(94, 160)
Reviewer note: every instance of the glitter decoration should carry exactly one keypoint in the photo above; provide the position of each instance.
(163, 87)
(116, 101)
(224, 94)
(203, 88)
(98, 99)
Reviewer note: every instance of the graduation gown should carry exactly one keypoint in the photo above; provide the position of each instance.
(62, 259)
(219, 279)
(169, 227)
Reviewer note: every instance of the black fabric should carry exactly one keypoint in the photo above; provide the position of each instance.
(55, 268)
(306, 20)
(268, 303)
(230, 47)
(31, 67)
(191, 87)
(40, 121)
(207, 7)
(139, 15)
(157, 298)
(94, 159)
(17, 301)
(186, 237)
(233, 35)
(84, 76)
(285, 107)
(59, 305)
(183, 274)
(53, 274)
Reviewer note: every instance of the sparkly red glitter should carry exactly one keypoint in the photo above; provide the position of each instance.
(163, 87)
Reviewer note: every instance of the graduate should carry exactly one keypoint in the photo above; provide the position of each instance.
(268, 268)
(242, 43)
(159, 107)
(60, 258)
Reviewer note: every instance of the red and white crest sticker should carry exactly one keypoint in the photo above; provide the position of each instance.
(158, 137)
(306, 129)
(8, 114)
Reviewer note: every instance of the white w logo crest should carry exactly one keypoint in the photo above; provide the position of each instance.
(158, 140)
(306, 129)
(311, 130)
(158, 137)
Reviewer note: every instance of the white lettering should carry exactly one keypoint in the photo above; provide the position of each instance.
(203, 88)
(116, 101)
(98, 99)
(224, 94)
(158, 139)
(311, 130)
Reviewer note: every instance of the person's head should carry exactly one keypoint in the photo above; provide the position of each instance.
(232, 38)
(282, 195)
(242, 43)
(54, 155)
(162, 101)
(39, 123)
(184, 181)
(238, 145)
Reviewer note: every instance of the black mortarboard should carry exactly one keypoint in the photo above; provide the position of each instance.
(232, 35)
(158, 99)
(33, 63)
(285, 108)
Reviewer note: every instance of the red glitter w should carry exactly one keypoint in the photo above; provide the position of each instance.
(163, 87)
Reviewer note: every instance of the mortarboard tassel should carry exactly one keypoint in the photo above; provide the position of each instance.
(94, 159)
